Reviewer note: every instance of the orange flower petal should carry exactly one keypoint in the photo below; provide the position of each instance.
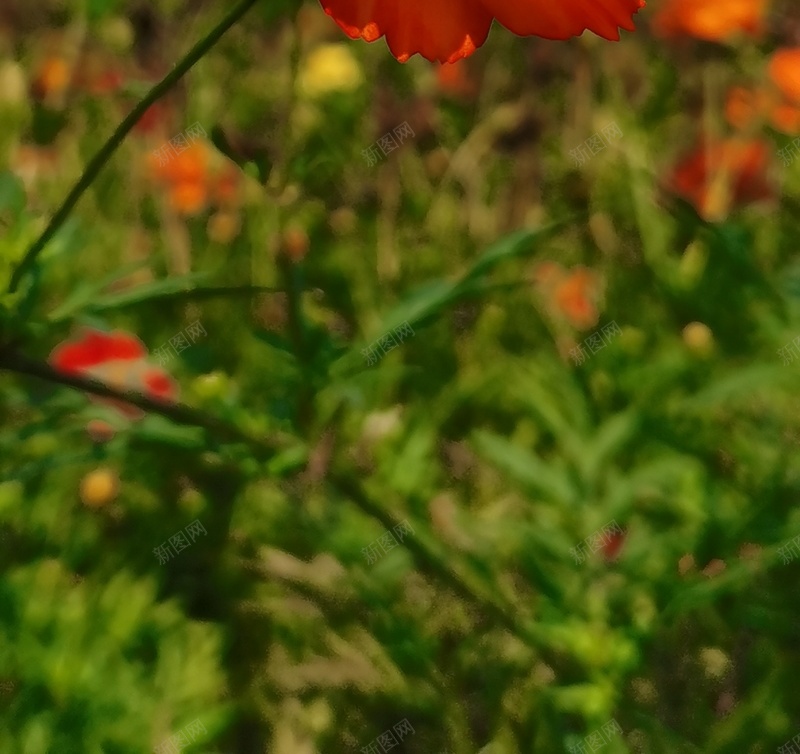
(786, 119)
(189, 197)
(575, 298)
(443, 30)
(52, 78)
(448, 30)
(784, 70)
(712, 20)
(565, 18)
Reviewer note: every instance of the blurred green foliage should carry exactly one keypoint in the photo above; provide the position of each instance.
(480, 629)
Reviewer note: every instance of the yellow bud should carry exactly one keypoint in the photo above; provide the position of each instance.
(698, 339)
(99, 487)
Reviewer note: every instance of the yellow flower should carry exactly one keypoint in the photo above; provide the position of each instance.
(329, 68)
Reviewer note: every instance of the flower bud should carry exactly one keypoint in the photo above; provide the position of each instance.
(698, 339)
(715, 662)
(295, 244)
(99, 487)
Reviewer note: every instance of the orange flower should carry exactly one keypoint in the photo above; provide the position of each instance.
(447, 30)
(743, 108)
(779, 102)
(572, 295)
(712, 20)
(785, 118)
(51, 79)
(720, 176)
(575, 297)
(226, 188)
(196, 177)
(186, 176)
(188, 197)
(784, 70)
(189, 165)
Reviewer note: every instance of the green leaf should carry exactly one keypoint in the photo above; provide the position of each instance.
(518, 244)
(155, 428)
(528, 470)
(86, 290)
(288, 460)
(609, 440)
(744, 382)
(432, 298)
(553, 410)
(421, 305)
(159, 289)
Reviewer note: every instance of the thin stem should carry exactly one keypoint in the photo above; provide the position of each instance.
(428, 559)
(97, 163)
(424, 553)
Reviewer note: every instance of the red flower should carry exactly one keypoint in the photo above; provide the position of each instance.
(119, 360)
(719, 176)
(614, 544)
(446, 30)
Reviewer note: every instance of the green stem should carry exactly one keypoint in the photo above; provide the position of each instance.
(425, 554)
(428, 559)
(97, 163)
(13, 361)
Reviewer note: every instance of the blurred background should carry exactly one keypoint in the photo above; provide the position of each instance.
(493, 441)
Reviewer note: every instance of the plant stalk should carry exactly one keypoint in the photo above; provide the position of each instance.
(97, 163)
